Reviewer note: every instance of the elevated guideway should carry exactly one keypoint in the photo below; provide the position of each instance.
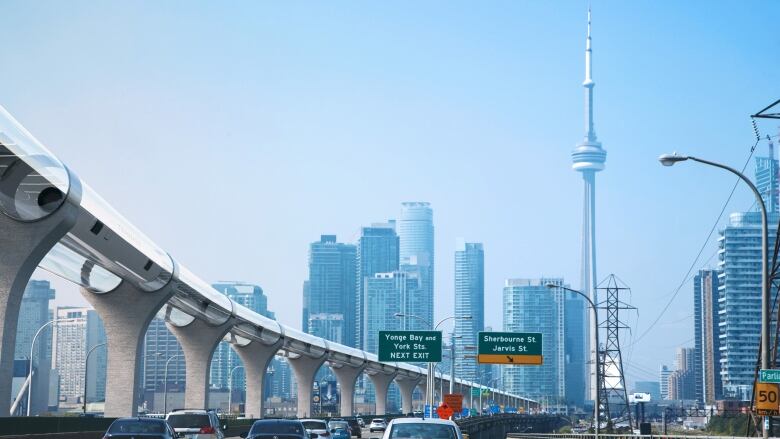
(53, 220)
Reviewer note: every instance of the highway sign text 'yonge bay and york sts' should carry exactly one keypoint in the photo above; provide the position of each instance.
(510, 348)
(424, 346)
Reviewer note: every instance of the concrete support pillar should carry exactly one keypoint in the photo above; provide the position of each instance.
(23, 246)
(407, 386)
(255, 356)
(304, 369)
(381, 384)
(347, 376)
(126, 312)
(198, 341)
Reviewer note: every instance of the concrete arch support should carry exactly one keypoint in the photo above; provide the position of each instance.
(23, 246)
(126, 312)
(381, 384)
(407, 386)
(304, 369)
(256, 357)
(198, 341)
(347, 376)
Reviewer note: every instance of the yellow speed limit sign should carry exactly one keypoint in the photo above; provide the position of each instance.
(767, 400)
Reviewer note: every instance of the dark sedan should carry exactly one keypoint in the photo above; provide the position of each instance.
(140, 428)
(276, 429)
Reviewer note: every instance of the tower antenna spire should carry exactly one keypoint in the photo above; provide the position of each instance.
(589, 84)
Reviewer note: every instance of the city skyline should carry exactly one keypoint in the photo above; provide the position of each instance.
(455, 219)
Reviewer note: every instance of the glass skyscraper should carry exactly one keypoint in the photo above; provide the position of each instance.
(330, 290)
(33, 314)
(225, 358)
(469, 301)
(739, 285)
(384, 297)
(377, 252)
(529, 306)
(160, 345)
(415, 230)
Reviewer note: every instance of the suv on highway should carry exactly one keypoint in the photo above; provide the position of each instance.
(400, 428)
(316, 427)
(196, 424)
(377, 424)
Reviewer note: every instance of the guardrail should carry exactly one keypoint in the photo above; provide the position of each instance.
(612, 436)
(502, 426)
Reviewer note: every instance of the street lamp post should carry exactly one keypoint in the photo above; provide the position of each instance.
(86, 374)
(453, 337)
(230, 388)
(596, 411)
(165, 383)
(671, 159)
(32, 350)
(431, 382)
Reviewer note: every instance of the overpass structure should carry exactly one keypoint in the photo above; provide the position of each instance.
(53, 220)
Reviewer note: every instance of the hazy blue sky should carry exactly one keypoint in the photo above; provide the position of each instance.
(236, 133)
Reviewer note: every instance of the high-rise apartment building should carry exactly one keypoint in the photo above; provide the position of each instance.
(529, 306)
(681, 382)
(33, 314)
(767, 178)
(161, 348)
(225, 359)
(385, 295)
(79, 331)
(415, 232)
(739, 285)
(663, 380)
(576, 349)
(280, 382)
(377, 252)
(469, 301)
(706, 333)
(330, 291)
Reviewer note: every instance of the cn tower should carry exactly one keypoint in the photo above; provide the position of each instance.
(588, 158)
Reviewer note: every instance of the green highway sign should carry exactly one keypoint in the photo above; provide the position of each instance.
(769, 376)
(422, 346)
(510, 348)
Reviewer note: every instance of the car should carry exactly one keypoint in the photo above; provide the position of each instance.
(339, 430)
(276, 429)
(196, 424)
(355, 428)
(377, 424)
(140, 428)
(406, 428)
(316, 426)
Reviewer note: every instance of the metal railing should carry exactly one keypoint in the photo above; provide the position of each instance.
(611, 436)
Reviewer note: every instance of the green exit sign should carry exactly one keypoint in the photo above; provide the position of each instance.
(414, 346)
(510, 348)
(769, 376)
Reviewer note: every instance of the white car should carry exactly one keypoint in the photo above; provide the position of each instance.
(377, 424)
(416, 428)
(196, 424)
(316, 426)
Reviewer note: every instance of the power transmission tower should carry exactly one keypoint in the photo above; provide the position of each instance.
(613, 382)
